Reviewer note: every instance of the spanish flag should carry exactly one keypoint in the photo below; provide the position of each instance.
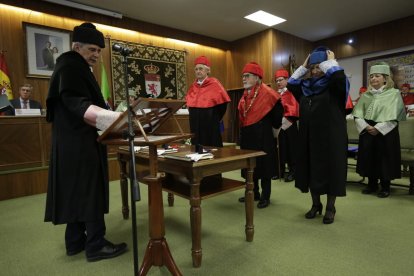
(5, 85)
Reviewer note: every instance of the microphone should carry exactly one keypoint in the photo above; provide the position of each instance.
(122, 50)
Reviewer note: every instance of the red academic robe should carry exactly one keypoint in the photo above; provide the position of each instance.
(207, 104)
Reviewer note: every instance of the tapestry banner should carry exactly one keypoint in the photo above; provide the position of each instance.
(153, 72)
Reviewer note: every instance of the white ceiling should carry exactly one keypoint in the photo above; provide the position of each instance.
(224, 19)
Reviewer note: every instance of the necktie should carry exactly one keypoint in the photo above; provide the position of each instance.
(25, 105)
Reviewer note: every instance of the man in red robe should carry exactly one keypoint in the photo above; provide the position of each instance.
(260, 110)
(408, 97)
(207, 102)
(288, 134)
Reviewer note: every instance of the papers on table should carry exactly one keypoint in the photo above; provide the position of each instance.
(200, 156)
(189, 156)
(159, 151)
(172, 153)
(27, 112)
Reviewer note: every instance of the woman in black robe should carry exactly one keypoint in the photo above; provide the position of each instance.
(321, 164)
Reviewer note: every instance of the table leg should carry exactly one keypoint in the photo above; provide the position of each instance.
(249, 228)
(170, 199)
(411, 171)
(124, 188)
(157, 252)
(195, 218)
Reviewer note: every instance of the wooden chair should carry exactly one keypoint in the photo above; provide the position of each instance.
(353, 138)
(406, 129)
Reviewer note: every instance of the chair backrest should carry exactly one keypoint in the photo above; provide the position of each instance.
(406, 130)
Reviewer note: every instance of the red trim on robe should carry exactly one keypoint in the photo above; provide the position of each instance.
(290, 105)
(264, 102)
(349, 105)
(210, 93)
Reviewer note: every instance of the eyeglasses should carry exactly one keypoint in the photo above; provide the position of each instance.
(279, 80)
(247, 75)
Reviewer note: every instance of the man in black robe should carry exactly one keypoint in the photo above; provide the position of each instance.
(288, 133)
(78, 189)
(260, 110)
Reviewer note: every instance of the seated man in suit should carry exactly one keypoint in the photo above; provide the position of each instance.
(24, 101)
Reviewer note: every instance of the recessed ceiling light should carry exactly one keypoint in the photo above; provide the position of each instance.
(265, 18)
(350, 41)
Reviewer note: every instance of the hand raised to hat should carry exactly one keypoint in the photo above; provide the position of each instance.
(330, 54)
(305, 63)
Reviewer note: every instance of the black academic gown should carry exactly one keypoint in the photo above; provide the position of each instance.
(321, 163)
(78, 188)
(205, 124)
(287, 147)
(259, 136)
(379, 156)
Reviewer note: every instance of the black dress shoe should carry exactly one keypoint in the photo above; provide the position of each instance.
(263, 203)
(243, 199)
(329, 216)
(383, 194)
(73, 252)
(369, 190)
(289, 178)
(314, 210)
(110, 250)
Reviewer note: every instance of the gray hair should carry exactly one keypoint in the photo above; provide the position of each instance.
(206, 67)
(80, 44)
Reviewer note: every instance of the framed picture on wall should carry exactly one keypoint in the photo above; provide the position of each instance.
(401, 65)
(43, 46)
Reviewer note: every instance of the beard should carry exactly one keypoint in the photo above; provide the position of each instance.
(247, 85)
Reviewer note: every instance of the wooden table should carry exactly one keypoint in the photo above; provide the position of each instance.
(199, 183)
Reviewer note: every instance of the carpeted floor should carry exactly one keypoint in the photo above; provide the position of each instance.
(370, 236)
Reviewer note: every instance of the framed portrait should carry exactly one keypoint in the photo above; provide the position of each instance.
(43, 46)
(401, 65)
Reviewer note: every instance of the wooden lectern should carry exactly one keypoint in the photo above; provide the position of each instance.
(149, 115)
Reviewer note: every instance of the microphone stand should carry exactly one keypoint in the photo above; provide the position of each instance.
(129, 133)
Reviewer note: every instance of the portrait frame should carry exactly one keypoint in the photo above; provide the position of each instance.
(401, 65)
(40, 61)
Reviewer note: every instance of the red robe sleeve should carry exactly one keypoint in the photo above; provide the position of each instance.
(290, 105)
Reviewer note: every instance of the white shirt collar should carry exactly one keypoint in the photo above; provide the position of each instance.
(200, 82)
(283, 90)
(377, 91)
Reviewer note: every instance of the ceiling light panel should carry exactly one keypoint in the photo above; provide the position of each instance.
(265, 18)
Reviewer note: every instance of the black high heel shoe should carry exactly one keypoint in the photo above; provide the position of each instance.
(329, 216)
(313, 211)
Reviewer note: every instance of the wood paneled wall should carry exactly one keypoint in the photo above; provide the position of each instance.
(387, 36)
(256, 48)
(284, 45)
(270, 49)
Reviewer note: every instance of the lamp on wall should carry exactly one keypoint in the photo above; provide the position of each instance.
(85, 7)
